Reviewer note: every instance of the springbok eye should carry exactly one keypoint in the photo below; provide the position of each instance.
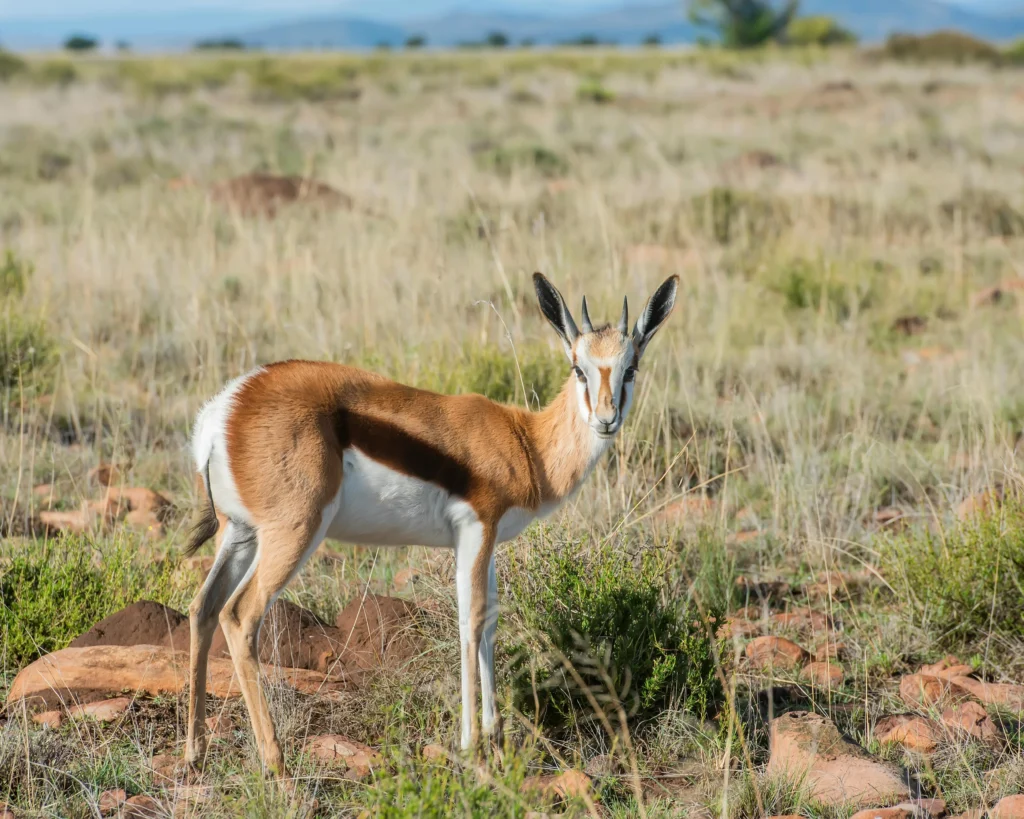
(629, 375)
(580, 375)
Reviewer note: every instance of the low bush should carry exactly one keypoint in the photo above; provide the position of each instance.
(963, 584)
(51, 595)
(505, 159)
(728, 214)
(26, 349)
(608, 633)
(940, 46)
(593, 91)
(820, 30)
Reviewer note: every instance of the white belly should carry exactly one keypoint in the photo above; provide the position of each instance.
(382, 507)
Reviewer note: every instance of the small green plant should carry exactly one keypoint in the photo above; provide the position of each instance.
(503, 160)
(591, 90)
(727, 214)
(26, 349)
(819, 30)
(50, 596)
(611, 634)
(965, 583)
(14, 274)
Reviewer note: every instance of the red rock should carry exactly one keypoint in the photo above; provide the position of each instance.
(105, 474)
(1007, 695)
(914, 733)
(737, 627)
(557, 787)
(827, 674)
(1009, 807)
(830, 649)
(971, 813)
(922, 690)
(935, 808)
(947, 668)
(72, 672)
(6, 812)
(220, 726)
(356, 759)
(102, 711)
(807, 748)
(971, 718)
(434, 753)
(49, 719)
(137, 499)
(166, 766)
(143, 807)
(884, 813)
(775, 652)
(78, 521)
(803, 618)
(111, 801)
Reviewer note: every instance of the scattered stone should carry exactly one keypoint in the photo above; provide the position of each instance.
(558, 787)
(201, 564)
(434, 753)
(111, 801)
(923, 690)
(947, 668)
(971, 718)
(166, 766)
(49, 719)
(82, 673)
(914, 733)
(77, 521)
(830, 649)
(737, 627)
(357, 760)
(378, 630)
(142, 807)
(220, 726)
(775, 652)
(1009, 807)
(885, 813)
(603, 765)
(823, 674)
(105, 474)
(1008, 695)
(935, 808)
(804, 618)
(143, 623)
(6, 812)
(102, 711)
(807, 748)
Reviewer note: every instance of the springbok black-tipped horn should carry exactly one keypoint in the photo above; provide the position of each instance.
(624, 321)
(587, 326)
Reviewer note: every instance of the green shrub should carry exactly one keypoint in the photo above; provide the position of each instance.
(940, 46)
(631, 640)
(807, 285)
(505, 159)
(727, 214)
(26, 349)
(987, 212)
(11, 65)
(818, 29)
(593, 91)
(1014, 53)
(964, 584)
(50, 596)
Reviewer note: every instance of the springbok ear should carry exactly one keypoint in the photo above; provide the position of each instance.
(657, 309)
(553, 306)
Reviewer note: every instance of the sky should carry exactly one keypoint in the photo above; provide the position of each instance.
(380, 9)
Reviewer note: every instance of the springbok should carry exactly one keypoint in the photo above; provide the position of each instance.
(299, 451)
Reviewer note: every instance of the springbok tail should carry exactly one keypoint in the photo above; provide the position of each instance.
(204, 522)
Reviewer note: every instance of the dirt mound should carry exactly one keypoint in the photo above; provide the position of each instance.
(141, 624)
(379, 630)
(263, 194)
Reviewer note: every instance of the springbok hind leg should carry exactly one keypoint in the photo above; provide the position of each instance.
(283, 550)
(231, 566)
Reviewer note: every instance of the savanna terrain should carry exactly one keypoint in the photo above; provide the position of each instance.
(823, 447)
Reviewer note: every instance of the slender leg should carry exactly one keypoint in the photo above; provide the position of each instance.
(491, 719)
(473, 550)
(232, 564)
(282, 551)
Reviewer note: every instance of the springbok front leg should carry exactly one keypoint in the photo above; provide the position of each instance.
(491, 714)
(473, 552)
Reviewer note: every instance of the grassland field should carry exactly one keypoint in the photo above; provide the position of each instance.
(827, 426)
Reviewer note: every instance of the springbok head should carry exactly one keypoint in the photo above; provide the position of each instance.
(605, 359)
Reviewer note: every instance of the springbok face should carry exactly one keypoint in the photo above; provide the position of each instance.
(605, 359)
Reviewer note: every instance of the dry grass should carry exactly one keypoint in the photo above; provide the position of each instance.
(807, 209)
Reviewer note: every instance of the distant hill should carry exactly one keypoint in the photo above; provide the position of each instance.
(872, 20)
(628, 24)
